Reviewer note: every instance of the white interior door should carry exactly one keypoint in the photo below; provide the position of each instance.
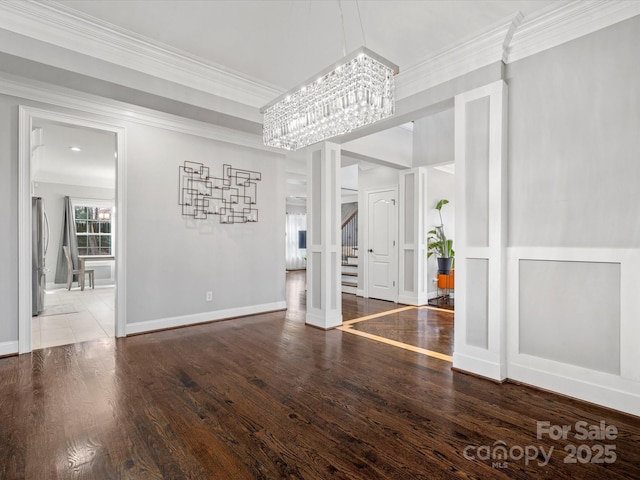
(382, 255)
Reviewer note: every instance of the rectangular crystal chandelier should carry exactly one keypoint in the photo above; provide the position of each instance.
(357, 90)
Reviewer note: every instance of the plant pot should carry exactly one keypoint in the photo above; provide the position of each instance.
(444, 265)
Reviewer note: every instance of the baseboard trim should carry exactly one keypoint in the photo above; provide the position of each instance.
(205, 317)
(479, 366)
(617, 397)
(323, 322)
(414, 300)
(8, 348)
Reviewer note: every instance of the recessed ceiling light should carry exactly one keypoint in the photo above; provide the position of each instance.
(75, 149)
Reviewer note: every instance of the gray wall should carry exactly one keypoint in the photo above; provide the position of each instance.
(574, 142)
(174, 261)
(171, 262)
(433, 139)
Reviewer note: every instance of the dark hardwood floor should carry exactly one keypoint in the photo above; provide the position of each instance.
(421, 327)
(266, 397)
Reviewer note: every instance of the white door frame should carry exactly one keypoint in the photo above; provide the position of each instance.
(365, 264)
(26, 116)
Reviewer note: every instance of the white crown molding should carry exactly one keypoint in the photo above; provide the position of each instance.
(84, 102)
(473, 53)
(64, 27)
(552, 27)
(509, 40)
(513, 39)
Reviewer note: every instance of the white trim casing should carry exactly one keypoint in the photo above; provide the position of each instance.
(8, 348)
(204, 317)
(24, 231)
(121, 221)
(491, 361)
(620, 392)
(26, 116)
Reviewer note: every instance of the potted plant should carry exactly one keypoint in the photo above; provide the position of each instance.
(439, 244)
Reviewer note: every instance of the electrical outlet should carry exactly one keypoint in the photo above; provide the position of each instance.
(209, 296)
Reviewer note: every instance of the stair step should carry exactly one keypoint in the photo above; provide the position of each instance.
(349, 289)
(349, 274)
(349, 284)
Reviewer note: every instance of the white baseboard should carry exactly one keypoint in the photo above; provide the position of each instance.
(8, 348)
(184, 320)
(360, 292)
(413, 300)
(323, 322)
(622, 395)
(479, 366)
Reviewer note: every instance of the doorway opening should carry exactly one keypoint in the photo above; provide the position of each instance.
(72, 167)
(73, 193)
(441, 187)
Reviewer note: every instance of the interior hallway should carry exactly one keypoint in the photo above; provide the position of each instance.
(266, 396)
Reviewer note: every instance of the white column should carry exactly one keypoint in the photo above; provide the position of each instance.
(324, 294)
(413, 238)
(481, 231)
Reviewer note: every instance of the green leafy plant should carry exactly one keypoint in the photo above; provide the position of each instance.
(437, 241)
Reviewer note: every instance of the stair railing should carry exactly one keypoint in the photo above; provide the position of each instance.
(350, 237)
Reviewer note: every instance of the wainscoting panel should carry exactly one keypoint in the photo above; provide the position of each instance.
(477, 168)
(570, 313)
(477, 302)
(572, 321)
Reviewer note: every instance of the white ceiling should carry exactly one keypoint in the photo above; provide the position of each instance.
(285, 42)
(54, 162)
(279, 43)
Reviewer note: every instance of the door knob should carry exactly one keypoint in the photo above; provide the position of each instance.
(371, 250)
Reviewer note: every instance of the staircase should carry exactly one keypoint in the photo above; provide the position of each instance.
(350, 248)
(350, 271)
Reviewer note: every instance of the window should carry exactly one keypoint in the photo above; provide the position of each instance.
(93, 229)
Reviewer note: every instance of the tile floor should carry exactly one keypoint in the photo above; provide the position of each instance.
(74, 316)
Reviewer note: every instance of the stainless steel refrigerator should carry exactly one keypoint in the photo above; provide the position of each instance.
(40, 242)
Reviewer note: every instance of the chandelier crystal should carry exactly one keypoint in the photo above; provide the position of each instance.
(356, 91)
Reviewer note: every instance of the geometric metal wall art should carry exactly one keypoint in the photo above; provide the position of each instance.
(232, 197)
